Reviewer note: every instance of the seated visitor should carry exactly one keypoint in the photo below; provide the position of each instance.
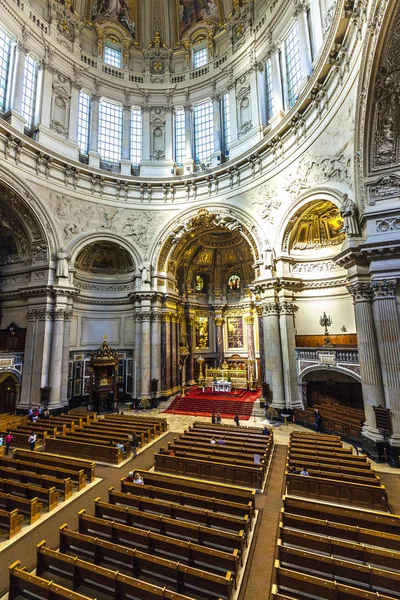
(130, 476)
(304, 472)
(221, 440)
(162, 450)
(137, 478)
(266, 431)
(293, 470)
(121, 446)
(213, 440)
(171, 453)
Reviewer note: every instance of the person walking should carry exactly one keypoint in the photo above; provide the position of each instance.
(317, 420)
(236, 419)
(32, 440)
(218, 419)
(213, 419)
(8, 439)
(135, 444)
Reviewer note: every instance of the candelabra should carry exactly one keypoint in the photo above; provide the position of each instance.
(183, 356)
(200, 362)
(326, 322)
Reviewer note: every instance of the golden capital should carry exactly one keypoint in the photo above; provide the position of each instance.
(219, 321)
(249, 319)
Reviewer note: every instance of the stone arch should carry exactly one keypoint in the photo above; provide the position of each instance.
(197, 220)
(75, 245)
(14, 373)
(29, 217)
(337, 369)
(301, 203)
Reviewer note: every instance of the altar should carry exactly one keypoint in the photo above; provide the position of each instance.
(221, 386)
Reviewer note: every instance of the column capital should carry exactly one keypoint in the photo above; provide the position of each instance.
(287, 308)
(96, 97)
(271, 308)
(188, 107)
(361, 291)
(219, 321)
(249, 319)
(300, 6)
(385, 288)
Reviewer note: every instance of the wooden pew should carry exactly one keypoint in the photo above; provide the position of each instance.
(189, 553)
(94, 438)
(199, 534)
(93, 452)
(20, 440)
(184, 441)
(185, 498)
(160, 423)
(358, 462)
(143, 565)
(316, 472)
(228, 431)
(63, 486)
(10, 520)
(340, 548)
(76, 477)
(302, 435)
(332, 467)
(223, 472)
(29, 507)
(339, 570)
(74, 572)
(179, 512)
(117, 432)
(303, 586)
(219, 455)
(48, 496)
(335, 490)
(24, 585)
(370, 519)
(75, 464)
(215, 490)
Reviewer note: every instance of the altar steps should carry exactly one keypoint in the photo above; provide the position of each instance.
(204, 404)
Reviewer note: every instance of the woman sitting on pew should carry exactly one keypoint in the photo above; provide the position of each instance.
(304, 472)
(293, 470)
(129, 477)
(137, 478)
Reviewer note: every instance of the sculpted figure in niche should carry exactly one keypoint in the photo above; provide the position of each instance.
(269, 256)
(145, 271)
(348, 210)
(62, 263)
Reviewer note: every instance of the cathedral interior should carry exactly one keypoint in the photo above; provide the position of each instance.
(214, 179)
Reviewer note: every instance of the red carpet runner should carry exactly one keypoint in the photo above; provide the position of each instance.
(203, 404)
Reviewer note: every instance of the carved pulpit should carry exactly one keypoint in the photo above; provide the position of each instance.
(103, 378)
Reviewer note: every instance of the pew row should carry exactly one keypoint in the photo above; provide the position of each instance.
(10, 521)
(89, 451)
(29, 507)
(78, 478)
(48, 496)
(45, 458)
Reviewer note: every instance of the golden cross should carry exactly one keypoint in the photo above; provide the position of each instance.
(105, 337)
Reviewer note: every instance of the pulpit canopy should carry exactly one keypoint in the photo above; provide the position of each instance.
(104, 356)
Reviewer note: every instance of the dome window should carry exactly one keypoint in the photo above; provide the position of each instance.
(112, 56)
(200, 57)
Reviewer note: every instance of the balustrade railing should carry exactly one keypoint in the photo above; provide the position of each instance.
(338, 355)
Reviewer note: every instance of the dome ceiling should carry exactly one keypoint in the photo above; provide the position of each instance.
(105, 258)
(316, 225)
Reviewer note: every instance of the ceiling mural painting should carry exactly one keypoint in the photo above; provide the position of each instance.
(191, 12)
(124, 12)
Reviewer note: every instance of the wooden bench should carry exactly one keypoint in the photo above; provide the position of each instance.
(228, 431)
(340, 570)
(223, 472)
(48, 496)
(187, 552)
(117, 432)
(10, 520)
(335, 490)
(219, 454)
(108, 583)
(63, 486)
(302, 435)
(358, 462)
(93, 452)
(29, 507)
(44, 458)
(347, 477)
(77, 477)
(340, 548)
(370, 519)
(214, 490)
(332, 466)
(223, 540)
(304, 586)
(180, 512)
(185, 498)
(25, 586)
(20, 440)
(94, 438)
(160, 423)
(144, 566)
(201, 443)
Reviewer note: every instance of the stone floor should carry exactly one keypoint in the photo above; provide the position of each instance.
(178, 423)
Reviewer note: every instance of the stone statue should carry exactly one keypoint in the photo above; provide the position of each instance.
(145, 271)
(269, 256)
(348, 210)
(62, 263)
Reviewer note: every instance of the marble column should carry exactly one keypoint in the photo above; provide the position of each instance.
(57, 346)
(233, 113)
(167, 356)
(217, 153)
(126, 140)
(188, 162)
(145, 354)
(17, 120)
(174, 361)
(65, 357)
(219, 323)
(304, 40)
(316, 24)
(387, 324)
(257, 96)
(370, 369)
(94, 156)
(260, 323)
(190, 343)
(169, 133)
(41, 367)
(145, 133)
(273, 351)
(249, 319)
(137, 385)
(288, 345)
(276, 81)
(73, 111)
(43, 101)
(156, 348)
(163, 385)
(29, 350)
